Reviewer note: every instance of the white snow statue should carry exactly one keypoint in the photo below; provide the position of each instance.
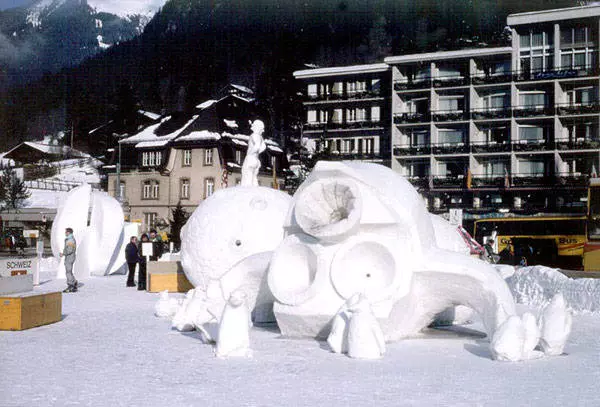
(97, 242)
(365, 338)
(166, 307)
(360, 227)
(508, 340)
(555, 326)
(228, 242)
(234, 337)
(251, 164)
(338, 336)
(182, 320)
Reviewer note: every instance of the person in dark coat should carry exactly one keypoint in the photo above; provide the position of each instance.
(132, 256)
(142, 273)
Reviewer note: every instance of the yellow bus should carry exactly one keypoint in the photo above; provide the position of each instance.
(553, 241)
(591, 255)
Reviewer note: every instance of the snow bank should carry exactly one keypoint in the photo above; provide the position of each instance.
(537, 285)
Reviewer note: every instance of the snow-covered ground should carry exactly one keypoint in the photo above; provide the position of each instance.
(110, 350)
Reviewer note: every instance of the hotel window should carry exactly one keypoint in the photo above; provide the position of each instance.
(582, 96)
(536, 53)
(356, 87)
(209, 187)
(531, 133)
(451, 104)
(208, 156)
(324, 89)
(419, 138)
(336, 117)
(150, 189)
(533, 99)
(238, 156)
(417, 106)
(369, 145)
(312, 90)
(338, 88)
(375, 113)
(187, 158)
(496, 101)
(150, 219)
(495, 168)
(356, 114)
(311, 116)
(185, 189)
(531, 168)
(323, 116)
(450, 136)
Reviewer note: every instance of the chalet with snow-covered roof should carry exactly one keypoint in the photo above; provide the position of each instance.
(30, 152)
(186, 157)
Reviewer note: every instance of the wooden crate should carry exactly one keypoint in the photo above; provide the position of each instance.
(167, 275)
(28, 310)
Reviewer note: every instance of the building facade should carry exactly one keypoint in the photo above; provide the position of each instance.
(185, 158)
(511, 128)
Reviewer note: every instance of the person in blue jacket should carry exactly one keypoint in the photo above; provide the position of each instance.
(132, 256)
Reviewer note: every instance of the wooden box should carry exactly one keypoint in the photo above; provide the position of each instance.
(30, 309)
(167, 275)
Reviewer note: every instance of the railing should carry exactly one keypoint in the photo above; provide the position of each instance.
(530, 145)
(491, 147)
(448, 181)
(401, 118)
(450, 81)
(413, 84)
(532, 179)
(484, 79)
(565, 109)
(491, 113)
(450, 148)
(572, 178)
(579, 144)
(54, 185)
(491, 180)
(362, 124)
(365, 94)
(533, 110)
(407, 149)
(449, 115)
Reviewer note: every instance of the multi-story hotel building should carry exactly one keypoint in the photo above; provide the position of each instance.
(511, 128)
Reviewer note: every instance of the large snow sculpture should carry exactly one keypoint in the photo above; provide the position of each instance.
(359, 227)
(96, 243)
(251, 164)
(227, 245)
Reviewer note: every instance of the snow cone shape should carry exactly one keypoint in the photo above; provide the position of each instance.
(508, 340)
(555, 326)
(338, 337)
(180, 320)
(234, 338)
(166, 307)
(532, 335)
(365, 338)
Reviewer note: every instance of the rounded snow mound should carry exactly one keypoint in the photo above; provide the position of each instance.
(537, 285)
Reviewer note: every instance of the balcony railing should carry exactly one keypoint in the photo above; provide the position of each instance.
(579, 144)
(493, 113)
(413, 84)
(533, 110)
(491, 147)
(484, 79)
(450, 148)
(341, 95)
(450, 81)
(362, 124)
(407, 149)
(565, 109)
(572, 178)
(488, 180)
(448, 181)
(403, 118)
(449, 115)
(530, 145)
(532, 179)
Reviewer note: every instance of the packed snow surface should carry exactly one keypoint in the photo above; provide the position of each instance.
(110, 350)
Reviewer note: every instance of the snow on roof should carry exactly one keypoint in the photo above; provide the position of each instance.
(148, 134)
(242, 88)
(206, 104)
(200, 135)
(155, 143)
(237, 136)
(47, 148)
(233, 165)
(239, 142)
(274, 148)
(150, 115)
(99, 127)
(231, 123)
(249, 100)
(341, 70)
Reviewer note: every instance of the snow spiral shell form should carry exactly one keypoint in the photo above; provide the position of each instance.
(329, 209)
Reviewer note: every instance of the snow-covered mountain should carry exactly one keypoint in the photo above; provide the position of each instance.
(48, 35)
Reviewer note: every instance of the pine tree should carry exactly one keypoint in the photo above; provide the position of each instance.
(12, 190)
(179, 218)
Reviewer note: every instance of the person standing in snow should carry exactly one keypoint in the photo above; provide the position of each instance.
(489, 251)
(157, 245)
(69, 254)
(142, 271)
(132, 256)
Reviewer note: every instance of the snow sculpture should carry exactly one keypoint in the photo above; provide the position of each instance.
(360, 227)
(183, 319)
(532, 335)
(166, 307)
(97, 243)
(251, 164)
(227, 245)
(338, 337)
(234, 339)
(508, 340)
(555, 326)
(365, 339)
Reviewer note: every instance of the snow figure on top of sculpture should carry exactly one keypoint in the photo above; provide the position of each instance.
(351, 228)
(98, 226)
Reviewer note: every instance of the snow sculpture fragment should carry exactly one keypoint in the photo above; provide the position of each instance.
(234, 339)
(532, 335)
(97, 244)
(360, 227)
(365, 338)
(166, 307)
(508, 340)
(338, 336)
(555, 326)
(227, 245)
(251, 164)
(183, 320)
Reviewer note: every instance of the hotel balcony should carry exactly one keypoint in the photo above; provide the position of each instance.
(450, 148)
(495, 113)
(579, 144)
(530, 145)
(491, 147)
(450, 81)
(354, 95)
(363, 124)
(449, 115)
(492, 79)
(569, 109)
(407, 149)
(532, 180)
(572, 179)
(488, 181)
(576, 72)
(533, 111)
(358, 156)
(412, 84)
(448, 181)
(418, 182)
(405, 118)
